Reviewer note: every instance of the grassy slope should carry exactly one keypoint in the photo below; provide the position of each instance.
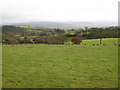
(57, 66)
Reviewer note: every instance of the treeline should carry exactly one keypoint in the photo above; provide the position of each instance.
(12, 34)
(10, 39)
(95, 33)
(45, 40)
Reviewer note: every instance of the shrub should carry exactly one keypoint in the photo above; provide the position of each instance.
(76, 40)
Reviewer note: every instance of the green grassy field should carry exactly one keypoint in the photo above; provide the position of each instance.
(61, 66)
(28, 37)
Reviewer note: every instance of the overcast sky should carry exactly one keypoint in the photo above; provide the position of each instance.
(59, 10)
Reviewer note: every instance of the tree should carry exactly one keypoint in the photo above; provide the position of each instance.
(25, 39)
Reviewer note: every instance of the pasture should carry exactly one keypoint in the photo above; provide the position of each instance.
(61, 66)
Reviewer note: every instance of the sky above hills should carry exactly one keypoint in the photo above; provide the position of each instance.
(16, 11)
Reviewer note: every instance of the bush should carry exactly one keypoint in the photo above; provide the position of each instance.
(76, 40)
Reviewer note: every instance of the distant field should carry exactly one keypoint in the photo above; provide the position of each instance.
(29, 37)
(61, 66)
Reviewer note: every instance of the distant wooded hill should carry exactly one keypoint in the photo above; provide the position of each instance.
(67, 25)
